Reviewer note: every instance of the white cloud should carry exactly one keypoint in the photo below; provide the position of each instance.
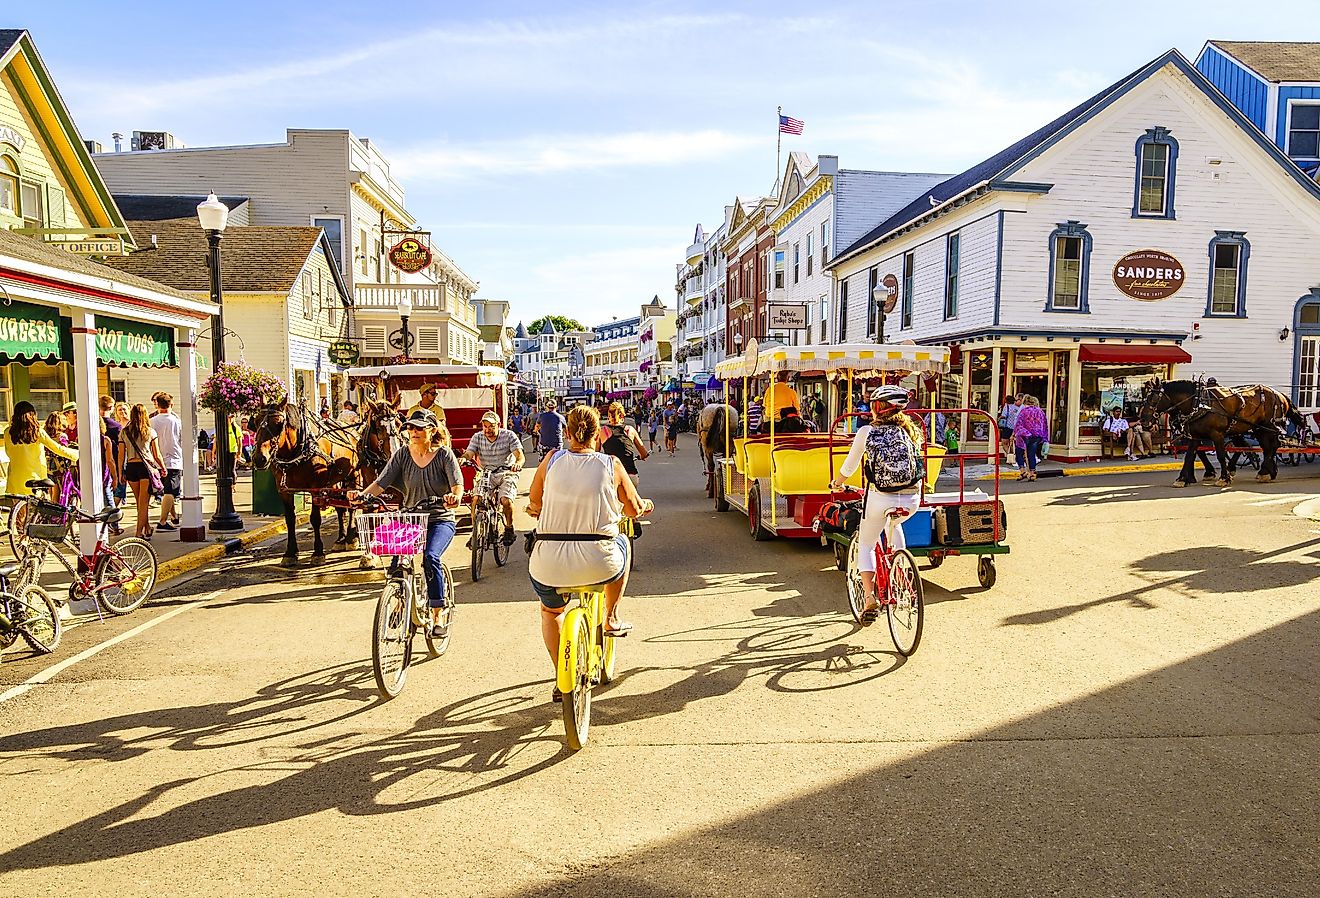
(590, 286)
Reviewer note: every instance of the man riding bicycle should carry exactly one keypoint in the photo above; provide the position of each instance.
(549, 428)
(496, 447)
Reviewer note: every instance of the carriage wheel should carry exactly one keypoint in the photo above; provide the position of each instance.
(755, 525)
(721, 501)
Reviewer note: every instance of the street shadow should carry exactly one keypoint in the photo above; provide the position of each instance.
(1194, 572)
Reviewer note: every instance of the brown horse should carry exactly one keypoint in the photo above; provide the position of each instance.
(1219, 415)
(717, 424)
(302, 464)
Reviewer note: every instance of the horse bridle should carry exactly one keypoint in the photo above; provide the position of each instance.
(305, 446)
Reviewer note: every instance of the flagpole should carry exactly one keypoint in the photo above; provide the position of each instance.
(779, 140)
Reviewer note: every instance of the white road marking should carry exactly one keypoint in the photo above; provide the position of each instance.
(1281, 500)
(56, 669)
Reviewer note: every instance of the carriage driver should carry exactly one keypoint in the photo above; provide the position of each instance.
(492, 447)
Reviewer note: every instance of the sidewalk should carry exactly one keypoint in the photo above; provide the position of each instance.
(1048, 468)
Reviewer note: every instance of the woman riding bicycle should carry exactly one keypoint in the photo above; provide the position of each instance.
(890, 443)
(622, 441)
(578, 496)
(426, 468)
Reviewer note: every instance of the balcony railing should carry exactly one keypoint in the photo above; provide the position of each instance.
(424, 297)
(693, 290)
(695, 252)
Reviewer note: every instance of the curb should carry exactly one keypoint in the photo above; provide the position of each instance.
(1093, 472)
(191, 561)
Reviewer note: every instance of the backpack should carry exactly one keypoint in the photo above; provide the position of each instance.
(891, 462)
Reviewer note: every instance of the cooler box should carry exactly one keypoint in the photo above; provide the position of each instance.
(918, 529)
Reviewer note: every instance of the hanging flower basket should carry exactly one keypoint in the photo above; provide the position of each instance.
(236, 387)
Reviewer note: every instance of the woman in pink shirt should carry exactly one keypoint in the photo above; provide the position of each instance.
(1030, 432)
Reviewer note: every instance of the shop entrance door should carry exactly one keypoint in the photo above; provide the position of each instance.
(1037, 385)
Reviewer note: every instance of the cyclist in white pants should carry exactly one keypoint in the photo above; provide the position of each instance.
(887, 404)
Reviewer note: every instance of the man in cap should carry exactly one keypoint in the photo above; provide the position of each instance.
(427, 402)
(493, 447)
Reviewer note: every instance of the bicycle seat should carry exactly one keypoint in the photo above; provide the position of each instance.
(108, 515)
(575, 590)
(45, 483)
(898, 512)
(8, 569)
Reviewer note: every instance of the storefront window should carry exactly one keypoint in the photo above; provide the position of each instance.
(47, 387)
(1059, 417)
(1107, 386)
(978, 394)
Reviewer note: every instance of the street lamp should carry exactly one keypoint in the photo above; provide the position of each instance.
(213, 215)
(880, 296)
(402, 339)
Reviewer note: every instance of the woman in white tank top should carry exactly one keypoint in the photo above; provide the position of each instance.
(578, 494)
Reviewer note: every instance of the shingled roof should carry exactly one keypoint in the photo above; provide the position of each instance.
(257, 259)
(9, 37)
(29, 249)
(1276, 60)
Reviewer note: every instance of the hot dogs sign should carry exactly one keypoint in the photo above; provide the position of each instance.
(1149, 275)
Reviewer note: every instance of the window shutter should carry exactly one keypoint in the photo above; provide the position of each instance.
(55, 206)
(373, 339)
(428, 340)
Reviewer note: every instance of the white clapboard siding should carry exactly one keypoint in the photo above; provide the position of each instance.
(864, 199)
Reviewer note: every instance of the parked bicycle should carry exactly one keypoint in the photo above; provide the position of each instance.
(487, 520)
(29, 612)
(401, 609)
(65, 483)
(587, 658)
(118, 577)
(897, 586)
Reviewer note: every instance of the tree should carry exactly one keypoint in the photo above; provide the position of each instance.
(561, 322)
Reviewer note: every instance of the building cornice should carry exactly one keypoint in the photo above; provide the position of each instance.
(823, 185)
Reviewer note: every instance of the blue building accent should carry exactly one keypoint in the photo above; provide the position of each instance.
(1071, 229)
(1239, 238)
(1243, 88)
(1286, 96)
(1157, 135)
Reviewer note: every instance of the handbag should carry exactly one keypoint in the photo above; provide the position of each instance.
(154, 482)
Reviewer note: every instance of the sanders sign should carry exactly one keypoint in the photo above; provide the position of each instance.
(1148, 275)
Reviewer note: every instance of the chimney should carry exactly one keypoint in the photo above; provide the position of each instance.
(119, 142)
(93, 146)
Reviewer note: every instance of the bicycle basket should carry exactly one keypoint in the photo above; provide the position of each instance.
(393, 533)
(49, 521)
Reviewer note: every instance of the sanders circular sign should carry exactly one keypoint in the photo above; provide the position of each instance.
(410, 255)
(1148, 275)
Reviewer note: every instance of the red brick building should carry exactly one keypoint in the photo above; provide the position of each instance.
(747, 249)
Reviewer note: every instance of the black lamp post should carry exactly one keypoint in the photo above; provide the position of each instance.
(402, 339)
(881, 298)
(213, 216)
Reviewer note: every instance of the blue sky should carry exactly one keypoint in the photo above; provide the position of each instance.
(563, 153)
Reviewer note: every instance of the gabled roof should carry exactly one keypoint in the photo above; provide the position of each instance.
(255, 259)
(29, 249)
(548, 327)
(1275, 60)
(995, 173)
(141, 207)
(521, 332)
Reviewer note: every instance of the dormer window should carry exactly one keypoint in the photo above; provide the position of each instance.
(1304, 131)
(1157, 166)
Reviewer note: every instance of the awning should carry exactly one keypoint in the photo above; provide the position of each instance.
(30, 332)
(132, 343)
(1133, 354)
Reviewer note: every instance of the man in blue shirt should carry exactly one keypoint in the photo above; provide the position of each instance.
(550, 428)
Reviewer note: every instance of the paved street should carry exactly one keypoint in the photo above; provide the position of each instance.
(1131, 710)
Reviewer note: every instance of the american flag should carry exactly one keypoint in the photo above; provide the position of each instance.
(789, 125)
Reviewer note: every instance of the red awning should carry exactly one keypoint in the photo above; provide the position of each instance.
(1134, 354)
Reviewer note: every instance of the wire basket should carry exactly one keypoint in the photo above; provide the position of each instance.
(393, 532)
(49, 521)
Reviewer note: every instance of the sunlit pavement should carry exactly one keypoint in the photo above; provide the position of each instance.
(1131, 710)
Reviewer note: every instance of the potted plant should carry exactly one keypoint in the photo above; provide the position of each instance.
(235, 387)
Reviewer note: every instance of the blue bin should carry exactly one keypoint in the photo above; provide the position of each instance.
(918, 529)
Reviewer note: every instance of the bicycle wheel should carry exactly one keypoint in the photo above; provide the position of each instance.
(905, 608)
(480, 526)
(16, 521)
(856, 593)
(125, 575)
(391, 637)
(41, 619)
(577, 701)
(497, 544)
(437, 647)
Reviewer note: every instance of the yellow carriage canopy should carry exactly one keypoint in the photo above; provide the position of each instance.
(861, 359)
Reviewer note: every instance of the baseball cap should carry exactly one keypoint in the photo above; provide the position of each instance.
(422, 418)
(426, 388)
(491, 417)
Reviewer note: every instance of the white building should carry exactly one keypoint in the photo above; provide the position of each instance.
(549, 361)
(1151, 226)
(702, 313)
(613, 356)
(496, 334)
(655, 340)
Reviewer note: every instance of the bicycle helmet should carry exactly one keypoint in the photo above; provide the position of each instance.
(891, 395)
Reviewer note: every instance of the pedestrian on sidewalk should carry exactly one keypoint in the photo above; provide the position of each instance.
(139, 458)
(26, 443)
(1008, 420)
(1029, 434)
(169, 440)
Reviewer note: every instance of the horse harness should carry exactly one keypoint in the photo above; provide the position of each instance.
(1210, 401)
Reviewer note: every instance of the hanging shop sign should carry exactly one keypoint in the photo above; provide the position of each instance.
(343, 353)
(99, 246)
(410, 255)
(787, 316)
(1149, 275)
(133, 344)
(28, 331)
(890, 283)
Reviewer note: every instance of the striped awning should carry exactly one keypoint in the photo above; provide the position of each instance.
(860, 358)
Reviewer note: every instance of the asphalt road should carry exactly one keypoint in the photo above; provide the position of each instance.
(1132, 710)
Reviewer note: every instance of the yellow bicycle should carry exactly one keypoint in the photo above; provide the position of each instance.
(587, 658)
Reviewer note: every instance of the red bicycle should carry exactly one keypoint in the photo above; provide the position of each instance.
(897, 586)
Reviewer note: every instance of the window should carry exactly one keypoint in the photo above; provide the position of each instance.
(824, 316)
(872, 305)
(810, 253)
(824, 242)
(30, 200)
(1307, 351)
(843, 311)
(1304, 131)
(47, 387)
(119, 390)
(307, 295)
(334, 232)
(428, 341)
(1157, 163)
(952, 255)
(797, 259)
(1229, 251)
(1070, 268)
(8, 185)
(7, 394)
(909, 275)
(362, 251)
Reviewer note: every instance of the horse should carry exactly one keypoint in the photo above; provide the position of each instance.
(1219, 415)
(717, 423)
(301, 465)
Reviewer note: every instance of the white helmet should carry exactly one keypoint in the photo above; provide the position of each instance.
(891, 395)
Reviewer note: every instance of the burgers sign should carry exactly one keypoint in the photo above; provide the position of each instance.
(1149, 275)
